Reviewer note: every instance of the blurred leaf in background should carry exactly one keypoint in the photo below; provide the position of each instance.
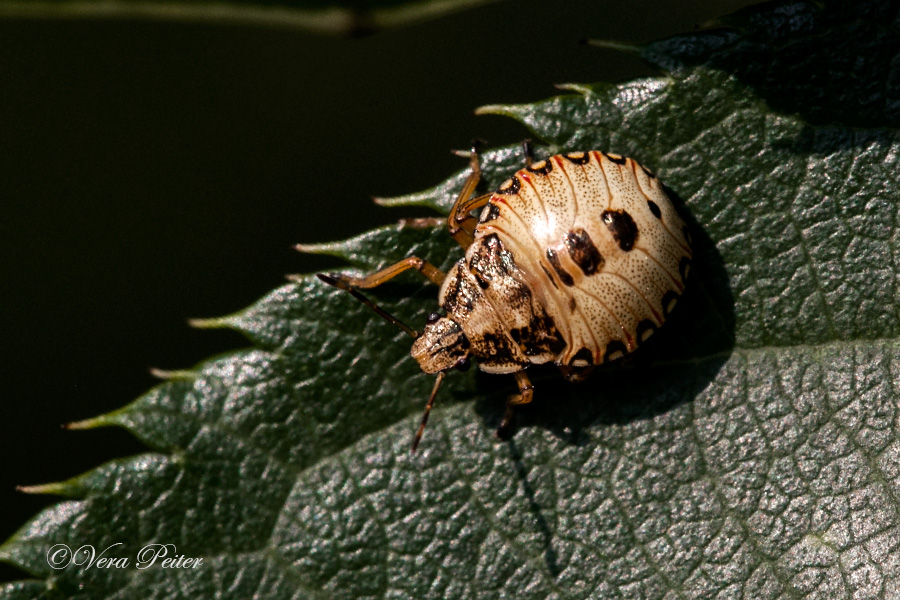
(751, 451)
(349, 17)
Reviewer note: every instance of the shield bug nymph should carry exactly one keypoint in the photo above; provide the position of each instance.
(576, 259)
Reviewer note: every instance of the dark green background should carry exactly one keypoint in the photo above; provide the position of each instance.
(152, 171)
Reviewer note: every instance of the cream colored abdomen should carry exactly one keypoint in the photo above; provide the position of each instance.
(600, 245)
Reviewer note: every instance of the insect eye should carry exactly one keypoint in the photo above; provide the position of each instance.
(463, 364)
(432, 318)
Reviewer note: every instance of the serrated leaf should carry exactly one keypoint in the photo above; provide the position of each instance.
(753, 451)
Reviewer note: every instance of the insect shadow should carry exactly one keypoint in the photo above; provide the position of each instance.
(672, 368)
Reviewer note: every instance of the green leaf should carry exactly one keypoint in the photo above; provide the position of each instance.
(348, 17)
(752, 450)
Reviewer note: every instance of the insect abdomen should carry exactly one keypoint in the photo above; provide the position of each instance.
(600, 248)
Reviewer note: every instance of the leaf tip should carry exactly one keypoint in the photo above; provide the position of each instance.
(56, 488)
(614, 45)
(314, 248)
(92, 423)
(496, 109)
(167, 375)
(210, 323)
(388, 201)
(578, 88)
(422, 222)
(414, 199)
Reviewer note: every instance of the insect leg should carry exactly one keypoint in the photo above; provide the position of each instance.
(421, 430)
(342, 285)
(465, 223)
(375, 279)
(525, 395)
(460, 223)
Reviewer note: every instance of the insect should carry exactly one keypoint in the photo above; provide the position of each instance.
(576, 259)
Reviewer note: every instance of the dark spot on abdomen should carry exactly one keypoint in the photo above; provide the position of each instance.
(541, 167)
(549, 276)
(490, 212)
(684, 267)
(615, 350)
(554, 261)
(579, 158)
(622, 227)
(645, 329)
(583, 354)
(583, 251)
(669, 300)
(510, 187)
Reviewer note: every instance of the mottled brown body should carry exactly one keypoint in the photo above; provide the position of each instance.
(577, 260)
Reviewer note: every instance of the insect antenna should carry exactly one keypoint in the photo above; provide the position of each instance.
(343, 285)
(434, 391)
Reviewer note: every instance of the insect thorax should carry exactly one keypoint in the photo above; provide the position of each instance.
(491, 301)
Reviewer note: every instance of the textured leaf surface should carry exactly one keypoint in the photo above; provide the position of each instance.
(753, 450)
(328, 16)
